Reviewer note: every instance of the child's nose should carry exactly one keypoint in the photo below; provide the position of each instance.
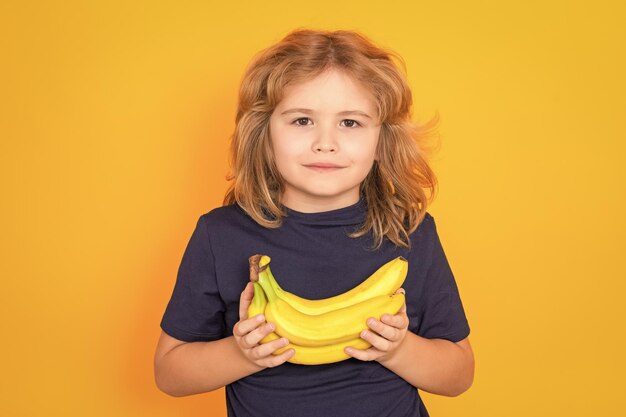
(325, 147)
(325, 142)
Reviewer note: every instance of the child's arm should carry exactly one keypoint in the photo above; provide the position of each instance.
(194, 368)
(182, 369)
(437, 366)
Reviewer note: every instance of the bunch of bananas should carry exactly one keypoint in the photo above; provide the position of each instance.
(319, 330)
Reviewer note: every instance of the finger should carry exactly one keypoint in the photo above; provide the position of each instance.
(243, 327)
(266, 349)
(245, 300)
(399, 321)
(276, 360)
(384, 330)
(364, 355)
(403, 308)
(254, 337)
(388, 326)
(378, 342)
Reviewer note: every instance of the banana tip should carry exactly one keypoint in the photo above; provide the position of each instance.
(264, 260)
(257, 264)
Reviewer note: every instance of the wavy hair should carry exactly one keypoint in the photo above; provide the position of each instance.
(401, 183)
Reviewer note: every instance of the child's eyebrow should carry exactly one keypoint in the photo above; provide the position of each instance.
(341, 113)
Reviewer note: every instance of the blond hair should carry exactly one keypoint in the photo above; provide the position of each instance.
(395, 188)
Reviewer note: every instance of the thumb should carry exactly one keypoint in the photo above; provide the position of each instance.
(403, 308)
(245, 300)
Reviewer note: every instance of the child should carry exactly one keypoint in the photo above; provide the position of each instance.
(329, 180)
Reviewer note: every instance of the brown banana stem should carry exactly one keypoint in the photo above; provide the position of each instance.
(254, 267)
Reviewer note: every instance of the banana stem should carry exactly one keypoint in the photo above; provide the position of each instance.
(259, 274)
(253, 261)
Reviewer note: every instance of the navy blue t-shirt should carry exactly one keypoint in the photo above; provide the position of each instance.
(311, 256)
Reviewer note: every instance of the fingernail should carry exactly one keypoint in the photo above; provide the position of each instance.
(260, 317)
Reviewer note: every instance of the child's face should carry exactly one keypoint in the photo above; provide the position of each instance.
(307, 128)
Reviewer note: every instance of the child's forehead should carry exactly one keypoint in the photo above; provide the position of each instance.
(325, 76)
(335, 86)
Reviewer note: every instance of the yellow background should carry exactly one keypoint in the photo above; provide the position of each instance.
(114, 124)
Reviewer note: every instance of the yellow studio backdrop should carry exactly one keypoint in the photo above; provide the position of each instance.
(114, 130)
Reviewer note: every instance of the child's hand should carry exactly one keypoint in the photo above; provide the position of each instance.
(385, 336)
(248, 332)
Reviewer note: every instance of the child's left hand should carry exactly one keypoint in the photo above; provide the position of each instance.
(385, 335)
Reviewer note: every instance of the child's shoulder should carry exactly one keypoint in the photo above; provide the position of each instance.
(428, 222)
(426, 230)
(223, 216)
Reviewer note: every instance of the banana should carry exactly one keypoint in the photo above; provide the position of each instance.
(304, 355)
(388, 278)
(333, 323)
(257, 306)
(331, 327)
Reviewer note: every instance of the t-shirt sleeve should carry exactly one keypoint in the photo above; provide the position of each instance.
(443, 316)
(195, 311)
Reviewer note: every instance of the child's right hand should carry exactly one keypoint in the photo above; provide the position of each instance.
(248, 332)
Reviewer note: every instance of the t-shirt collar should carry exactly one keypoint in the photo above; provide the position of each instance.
(349, 215)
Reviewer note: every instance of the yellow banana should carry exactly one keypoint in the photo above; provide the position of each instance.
(386, 280)
(257, 306)
(307, 355)
(321, 337)
(332, 327)
(304, 355)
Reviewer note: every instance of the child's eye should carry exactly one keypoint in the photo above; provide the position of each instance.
(349, 122)
(352, 123)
